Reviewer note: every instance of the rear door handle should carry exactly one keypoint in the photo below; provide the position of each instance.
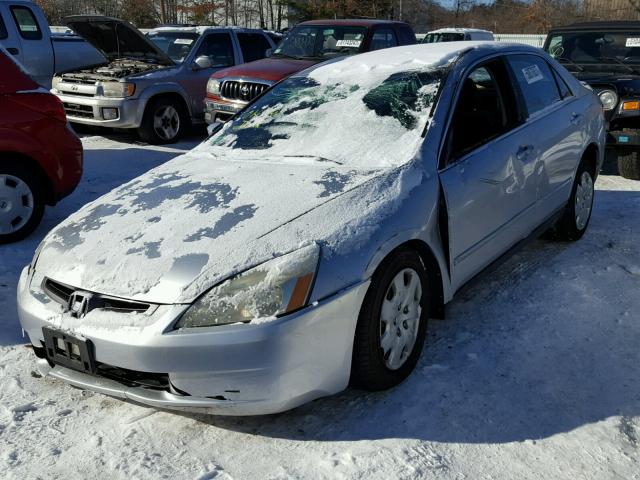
(523, 150)
(13, 51)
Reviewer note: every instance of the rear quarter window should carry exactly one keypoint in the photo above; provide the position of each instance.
(3, 29)
(26, 23)
(536, 81)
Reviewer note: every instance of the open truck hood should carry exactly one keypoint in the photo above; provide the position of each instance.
(116, 38)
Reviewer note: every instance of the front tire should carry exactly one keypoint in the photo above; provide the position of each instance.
(164, 122)
(577, 214)
(629, 166)
(392, 324)
(21, 202)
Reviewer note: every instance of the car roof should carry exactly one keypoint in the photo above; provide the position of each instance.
(200, 29)
(415, 57)
(611, 25)
(461, 30)
(351, 22)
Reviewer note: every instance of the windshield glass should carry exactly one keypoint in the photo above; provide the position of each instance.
(315, 41)
(304, 118)
(176, 45)
(584, 48)
(443, 37)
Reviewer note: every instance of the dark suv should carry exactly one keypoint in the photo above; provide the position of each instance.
(606, 56)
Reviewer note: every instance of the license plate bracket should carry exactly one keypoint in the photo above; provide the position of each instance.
(69, 351)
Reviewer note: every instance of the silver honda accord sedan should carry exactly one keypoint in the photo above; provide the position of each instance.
(304, 246)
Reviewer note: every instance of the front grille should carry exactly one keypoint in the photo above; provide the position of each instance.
(75, 110)
(131, 378)
(61, 293)
(245, 91)
(76, 94)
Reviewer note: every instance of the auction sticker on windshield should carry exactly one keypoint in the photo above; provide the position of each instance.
(633, 42)
(183, 41)
(532, 74)
(348, 43)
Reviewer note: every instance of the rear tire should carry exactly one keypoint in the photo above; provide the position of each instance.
(392, 324)
(577, 214)
(21, 202)
(629, 166)
(164, 121)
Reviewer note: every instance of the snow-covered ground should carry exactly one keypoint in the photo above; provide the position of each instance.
(534, 374)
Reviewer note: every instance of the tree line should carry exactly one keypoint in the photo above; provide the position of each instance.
(499, 16)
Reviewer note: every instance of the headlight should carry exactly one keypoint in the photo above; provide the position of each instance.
(213, 86)
(609, 99)
(55, 81)
(118, 89)
(276, 287)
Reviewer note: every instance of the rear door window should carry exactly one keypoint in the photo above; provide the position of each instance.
(219, 49)
(536, 82)
(383, 38)
(26, 23)
(254, 46)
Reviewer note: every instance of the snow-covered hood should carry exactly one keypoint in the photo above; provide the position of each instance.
(193, 217)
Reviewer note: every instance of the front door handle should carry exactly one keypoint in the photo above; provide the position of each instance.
(13, 51)
(523, 150)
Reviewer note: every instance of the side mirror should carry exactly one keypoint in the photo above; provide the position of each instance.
(214, 128)
(203, 62)
(268, 52)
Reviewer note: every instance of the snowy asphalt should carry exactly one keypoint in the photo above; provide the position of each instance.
(535, 373)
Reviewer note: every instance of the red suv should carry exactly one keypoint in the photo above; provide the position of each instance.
(308, 43)
(40, 156)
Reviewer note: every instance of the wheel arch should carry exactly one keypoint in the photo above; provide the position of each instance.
(431, 264)
(177, 96)
(591, 157)
(33, 165)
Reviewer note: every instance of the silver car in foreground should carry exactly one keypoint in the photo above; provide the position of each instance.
(304, 246)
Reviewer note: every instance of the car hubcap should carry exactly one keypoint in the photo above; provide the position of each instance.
(166, 122)
(16, 204)
(584, 200)
(400, 318)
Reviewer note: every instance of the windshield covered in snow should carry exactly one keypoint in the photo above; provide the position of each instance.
(370, 121)
(315, 41)
(176, 45)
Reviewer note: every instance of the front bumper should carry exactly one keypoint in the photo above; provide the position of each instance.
(90, 110)
(221, 109)
(623, 139)
(227, 370)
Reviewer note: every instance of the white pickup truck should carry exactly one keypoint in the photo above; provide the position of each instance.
(25, 33)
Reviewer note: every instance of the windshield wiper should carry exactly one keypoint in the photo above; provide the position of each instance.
(284, 55)
(570, 62)
(620, 62)
(321, 159)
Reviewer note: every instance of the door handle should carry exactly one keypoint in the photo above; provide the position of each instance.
(13, 51)
(576, 118)
(523, 150)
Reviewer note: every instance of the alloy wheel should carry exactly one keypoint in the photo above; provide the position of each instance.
(166, 122)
